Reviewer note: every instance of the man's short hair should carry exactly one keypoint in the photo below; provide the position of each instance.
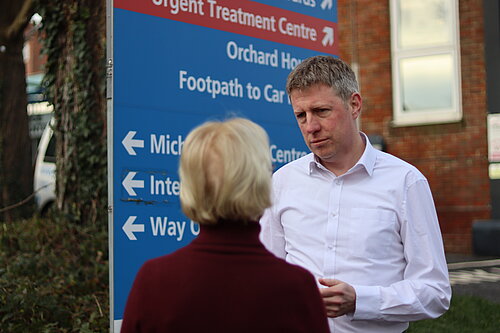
(327, 70)
(225, 172)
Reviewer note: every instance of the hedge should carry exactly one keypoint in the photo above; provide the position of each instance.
(53, 276)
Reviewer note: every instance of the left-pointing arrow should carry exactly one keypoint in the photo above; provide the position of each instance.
(130, 143)
(328, 38)
(130, 183)
(129, 227)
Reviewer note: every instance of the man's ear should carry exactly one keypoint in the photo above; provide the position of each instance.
(356, 102)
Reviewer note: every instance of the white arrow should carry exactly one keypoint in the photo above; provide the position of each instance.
(326, 3)
(130, 183)
(129, 227)
(129, 143)
(328, 39)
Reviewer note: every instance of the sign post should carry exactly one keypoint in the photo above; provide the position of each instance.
(172, 65)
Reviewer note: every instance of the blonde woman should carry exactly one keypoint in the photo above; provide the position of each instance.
(225, 280)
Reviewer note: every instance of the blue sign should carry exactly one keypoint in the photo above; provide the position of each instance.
(177, 64)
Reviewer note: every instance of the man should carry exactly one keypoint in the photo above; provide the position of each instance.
(361, 220)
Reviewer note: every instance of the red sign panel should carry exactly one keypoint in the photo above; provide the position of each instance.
(245, 18)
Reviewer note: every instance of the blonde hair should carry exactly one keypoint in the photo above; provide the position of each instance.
(225, 172)
(327, 70)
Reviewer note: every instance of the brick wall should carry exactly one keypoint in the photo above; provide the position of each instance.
(35, 59)
(452, 156)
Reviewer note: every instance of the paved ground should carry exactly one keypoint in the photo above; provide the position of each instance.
(472, 275)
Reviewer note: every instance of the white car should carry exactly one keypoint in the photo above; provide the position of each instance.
(44, 179)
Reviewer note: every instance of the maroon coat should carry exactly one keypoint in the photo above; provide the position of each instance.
(224, 281)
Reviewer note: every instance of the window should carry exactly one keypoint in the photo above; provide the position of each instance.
(50, 153)
(425, 62)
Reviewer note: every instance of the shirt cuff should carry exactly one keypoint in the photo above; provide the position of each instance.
(368, 302)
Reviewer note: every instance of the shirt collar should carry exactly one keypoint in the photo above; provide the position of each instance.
(369, 156)
(367, 160)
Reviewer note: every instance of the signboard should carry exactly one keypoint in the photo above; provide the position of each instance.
(494, 137)
(174, 64)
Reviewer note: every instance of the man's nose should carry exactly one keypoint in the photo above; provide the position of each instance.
(312, 124)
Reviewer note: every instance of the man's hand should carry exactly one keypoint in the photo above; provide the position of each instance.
(339, 297)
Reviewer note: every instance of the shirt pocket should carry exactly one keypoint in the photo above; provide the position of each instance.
(372, 232)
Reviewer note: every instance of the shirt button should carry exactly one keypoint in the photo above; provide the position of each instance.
(338, 182)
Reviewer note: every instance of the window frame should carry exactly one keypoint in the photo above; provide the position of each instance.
(427, 116)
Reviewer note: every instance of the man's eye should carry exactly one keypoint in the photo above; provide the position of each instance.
(323, 112)
(300, 115)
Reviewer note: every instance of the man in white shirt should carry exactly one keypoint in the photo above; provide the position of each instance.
(361, 220)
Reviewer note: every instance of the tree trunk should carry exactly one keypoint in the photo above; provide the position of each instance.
(75, 77)
(16, 169)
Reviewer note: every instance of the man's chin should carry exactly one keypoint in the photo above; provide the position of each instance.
(322, 156)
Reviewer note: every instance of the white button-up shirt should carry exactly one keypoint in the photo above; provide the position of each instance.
(375, 227)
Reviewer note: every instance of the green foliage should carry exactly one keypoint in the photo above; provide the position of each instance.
(75, 84)
(466, 314)
(53, 277)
